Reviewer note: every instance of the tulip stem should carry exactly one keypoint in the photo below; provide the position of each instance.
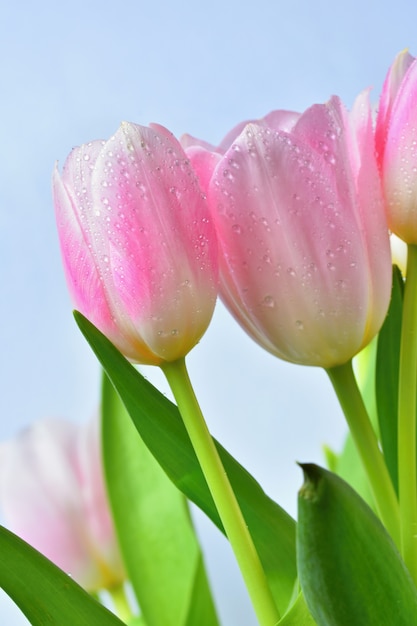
(121, 603)
(407, 480)
(366, 442)
(222, 492)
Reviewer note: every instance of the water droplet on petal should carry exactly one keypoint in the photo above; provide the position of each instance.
(228, 174)
(269, 302)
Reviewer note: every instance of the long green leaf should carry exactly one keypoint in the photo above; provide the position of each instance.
(387, 376)
(43, 592)
(161, 428)
(350, 570)
(158, 542)
(298, 615)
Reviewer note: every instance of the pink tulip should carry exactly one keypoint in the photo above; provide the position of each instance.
(138, 244)
(396, 144)
(306, 267)
(52, 494)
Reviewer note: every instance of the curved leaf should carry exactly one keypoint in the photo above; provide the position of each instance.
(156, 536)
(43, 592)
(387, 376)
(161, 428)
(298, 615)
(350, 570)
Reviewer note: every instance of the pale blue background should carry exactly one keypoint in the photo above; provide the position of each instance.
(70, 73)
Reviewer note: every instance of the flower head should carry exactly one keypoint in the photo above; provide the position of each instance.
(396, 144)
(138, 244)
(52, 494)
(305, 256)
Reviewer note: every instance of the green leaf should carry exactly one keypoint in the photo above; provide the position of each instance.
(137, 621)
(298, 615)
(387, 376)
(350, 571)
(43, 592)
(156, 536)
(161, 428)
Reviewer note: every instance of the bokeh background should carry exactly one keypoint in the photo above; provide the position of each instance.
(71, 72)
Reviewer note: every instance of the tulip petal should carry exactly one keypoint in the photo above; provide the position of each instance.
(154, 251)
(390, 88)
(204, 164)
(400, 158)
(372, 220)
(280, 120)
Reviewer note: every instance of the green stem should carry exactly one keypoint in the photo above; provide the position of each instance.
(121, 603)
(363, 434)
(407, 480)
(223, 494)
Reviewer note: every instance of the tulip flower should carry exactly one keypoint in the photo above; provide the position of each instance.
(305, 255)
(52, 494)
(396, 144)
(138, 243)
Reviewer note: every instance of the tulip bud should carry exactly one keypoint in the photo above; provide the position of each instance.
(52, 494)
(396, 144)
(305, 255)
(137, 241)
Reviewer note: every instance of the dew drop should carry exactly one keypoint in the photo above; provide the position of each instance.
(269, 302)
(236, 229)
(299, 325)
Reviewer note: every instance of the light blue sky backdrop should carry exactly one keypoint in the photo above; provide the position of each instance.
(70, 73)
